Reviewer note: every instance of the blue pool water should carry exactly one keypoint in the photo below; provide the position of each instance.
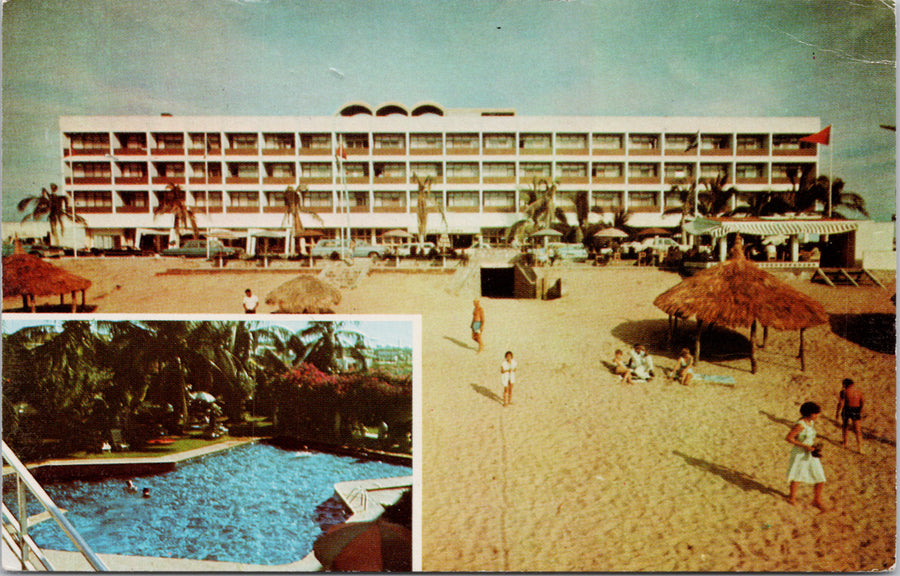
(254, 504)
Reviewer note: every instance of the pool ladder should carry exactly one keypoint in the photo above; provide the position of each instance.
(15, 531)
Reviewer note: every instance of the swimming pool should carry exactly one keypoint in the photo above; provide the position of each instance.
(253, 504)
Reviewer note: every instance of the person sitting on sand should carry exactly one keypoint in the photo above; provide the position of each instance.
(619, 368)
(849, 408)
(641, 363)
(805, 465)
(508, 377)
(685, 370)
(478, 324)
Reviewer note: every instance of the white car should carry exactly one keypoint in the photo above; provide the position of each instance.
(658, 244)
(416, 250)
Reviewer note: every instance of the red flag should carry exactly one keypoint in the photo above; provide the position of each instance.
(822, 137)
(341, 152)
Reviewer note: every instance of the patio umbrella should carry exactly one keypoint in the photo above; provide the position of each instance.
(304, 295)
(546, 234)
(611, 233)
(654, 232)
(737, 293)
(377, 546)
(28, 276)
(204, 397)
(397, 234)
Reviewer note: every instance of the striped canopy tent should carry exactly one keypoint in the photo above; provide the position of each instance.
(776, 226)
(28, 276)
(736, 293)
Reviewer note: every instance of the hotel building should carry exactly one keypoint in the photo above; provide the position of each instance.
(234, 170)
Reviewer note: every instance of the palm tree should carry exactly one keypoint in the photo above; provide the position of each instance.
(540, 212)
(716, 199)
(52, 205)
(325, 344)
(293, 202)
(172, 201)
(423, 203)
(808, 192)
(581, 233)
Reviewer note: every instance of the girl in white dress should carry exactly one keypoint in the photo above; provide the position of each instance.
(508, 377)
(805, 465)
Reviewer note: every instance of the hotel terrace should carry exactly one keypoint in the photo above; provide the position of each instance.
(234, 170)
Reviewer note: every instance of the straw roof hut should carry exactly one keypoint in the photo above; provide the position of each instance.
(304, 295)
(736, 293)
(28, 276)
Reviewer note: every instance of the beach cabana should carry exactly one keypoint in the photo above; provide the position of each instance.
(28, 276)
(736, 293)
(304, 295)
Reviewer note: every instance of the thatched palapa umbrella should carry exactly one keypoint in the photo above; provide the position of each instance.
(736, 293)
(28, 276)
(304, 295)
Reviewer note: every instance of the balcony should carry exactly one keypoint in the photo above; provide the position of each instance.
(751, 180)
(357, 179)
(716, 151)
(644, 151)
(243, 209)
(130, 152)
(499, 179)
(752, 152)
(90, 180)
(794, 151)
(315, 180)
(217, 209)
(466, 151)
(132, 209)
(168, 151)
(275, 209)
(573, 179)
(469, 209)
(437, 151)
(132, 179)
(492, 151)
(278, 151)
(248, 151)
(242, 180)
(314, 151)
(643, 179)
(608, 179)
(169, 180)
(395, 208)
(93, 209)
(608, 151)
(572, 151)
(462, 179)
(391, 180)
(87, 151)
(389, 151)
(278, 180)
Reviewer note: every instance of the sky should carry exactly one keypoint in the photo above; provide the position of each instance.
(396, 332)
(831, 59)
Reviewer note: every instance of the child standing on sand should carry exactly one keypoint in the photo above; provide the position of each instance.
(849, 408)
(619, 368)
(805, 465)
(508, 377)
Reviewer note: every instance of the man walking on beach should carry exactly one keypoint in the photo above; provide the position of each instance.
(250, 302)
(849, 408)
(478, 324)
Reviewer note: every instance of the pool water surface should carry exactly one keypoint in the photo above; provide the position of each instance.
(253, 504)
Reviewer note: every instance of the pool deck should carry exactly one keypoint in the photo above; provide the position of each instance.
(367, 499)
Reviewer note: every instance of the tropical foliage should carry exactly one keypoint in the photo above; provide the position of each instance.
(173, 201)
(52, 205)
(424, 202)
(293, 203)
(541, 211)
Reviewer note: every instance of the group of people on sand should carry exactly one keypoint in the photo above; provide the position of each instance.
(509, 364)
(639, 366)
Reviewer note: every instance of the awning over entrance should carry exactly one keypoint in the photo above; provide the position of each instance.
(718, 227)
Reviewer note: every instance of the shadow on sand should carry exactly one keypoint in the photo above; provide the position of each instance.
(790, 424)
(740, 479)
(461, 344)
(54, 309)
(487, 393)
(716, 345)
(877, 332)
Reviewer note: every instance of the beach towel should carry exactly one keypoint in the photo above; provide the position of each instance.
(715, 378)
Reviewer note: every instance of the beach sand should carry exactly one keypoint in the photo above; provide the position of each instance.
(583, 472)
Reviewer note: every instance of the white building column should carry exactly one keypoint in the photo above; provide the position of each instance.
(795, 248)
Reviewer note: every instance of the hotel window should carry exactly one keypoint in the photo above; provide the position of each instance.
(462, 200)
(679, 171)
(244, 169)
(642, 199)
(134, 199)
(534, 141)
(425, 169)
(170, 169)
(673, 200)
(244, 199)
(357, 199)
(640, 170)
(462, 170)
(133, 169)
(599, 170)
(279, 141)
(274, 198)
(389, 141)
(389, 200)
(571, 141)
(500, 141)
(93, 199)
(500, 200)
(315, 170)
(356, 169)
(242, 140)
(462, 141)
(90, 170)
(749, 142)
(785, 142)
(499, 170)
(607, 141)
(643, 141)
(355, 141)
(198, 140)
(316, 141)
(215, 169)
(390, 170)
(713, 170)
(750, 171)
(571, 170)
(534, 170)
(786, 171)
(132, 141)
(169, 140)
(95, 141)
(715, 142)
(419, 141)
(317, 200)
(280, 170)
(213, 142)
(437, 199)
(607, 200)
(215, 199)
(197, 169)
(679, 142)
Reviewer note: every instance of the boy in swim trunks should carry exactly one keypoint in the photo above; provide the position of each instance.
(477, 324)
(849, 408)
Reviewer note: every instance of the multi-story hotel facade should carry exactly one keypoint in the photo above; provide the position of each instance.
(234, 170)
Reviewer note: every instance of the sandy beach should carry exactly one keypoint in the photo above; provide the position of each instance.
(583, 472)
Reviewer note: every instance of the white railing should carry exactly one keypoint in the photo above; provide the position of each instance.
(15, 531)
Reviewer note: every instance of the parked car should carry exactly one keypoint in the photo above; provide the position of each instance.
(417, 250)
(658, 244)
(197, 249)
(332, 249)
(38, 250)
(476, 246)
(573, 252)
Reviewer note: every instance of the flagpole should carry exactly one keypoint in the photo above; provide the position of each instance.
(830, 169)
